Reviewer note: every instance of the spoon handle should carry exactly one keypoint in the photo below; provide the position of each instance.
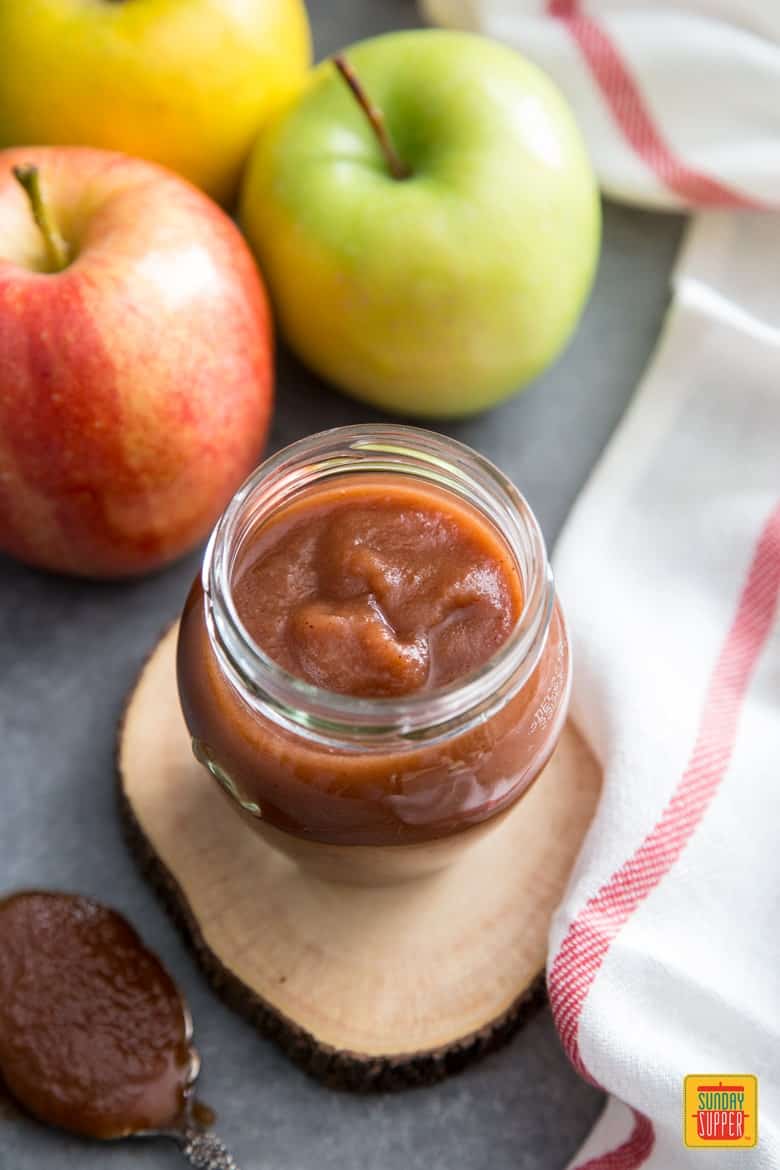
(205, 1151)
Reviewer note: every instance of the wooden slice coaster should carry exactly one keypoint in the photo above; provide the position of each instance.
(367, 987)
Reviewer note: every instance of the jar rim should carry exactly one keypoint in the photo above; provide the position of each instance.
(333, 717)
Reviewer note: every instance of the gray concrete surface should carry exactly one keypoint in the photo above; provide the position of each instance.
(69, 652)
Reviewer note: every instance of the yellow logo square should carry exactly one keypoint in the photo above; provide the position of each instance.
(720, 1111)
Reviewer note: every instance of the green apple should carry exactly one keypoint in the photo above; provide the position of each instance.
(430, 237)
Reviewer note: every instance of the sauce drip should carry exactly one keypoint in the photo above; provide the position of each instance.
(94, 1034)
(202, 1115)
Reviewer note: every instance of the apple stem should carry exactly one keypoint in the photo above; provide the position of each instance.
(56, 247)
(398, 168)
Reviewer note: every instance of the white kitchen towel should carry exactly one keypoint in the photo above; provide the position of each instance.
(679, 102)
(665, 952)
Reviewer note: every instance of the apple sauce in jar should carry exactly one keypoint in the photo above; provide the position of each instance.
(374, 654)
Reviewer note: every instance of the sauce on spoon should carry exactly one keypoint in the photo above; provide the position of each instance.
(94, 1034)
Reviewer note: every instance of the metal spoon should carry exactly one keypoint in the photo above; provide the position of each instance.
(189, 1129)
(203, 1150)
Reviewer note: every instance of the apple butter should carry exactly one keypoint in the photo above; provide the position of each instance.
(378, 588)
(94, 1035)
(374, 654)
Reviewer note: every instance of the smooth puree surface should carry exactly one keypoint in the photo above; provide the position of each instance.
(94, 1035)
(374, 587)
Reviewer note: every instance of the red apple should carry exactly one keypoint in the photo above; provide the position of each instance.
(135, 361)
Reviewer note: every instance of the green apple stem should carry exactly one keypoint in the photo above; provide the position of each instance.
(398, 168)
(56, 248)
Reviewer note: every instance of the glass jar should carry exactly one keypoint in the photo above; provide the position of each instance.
(303, 764)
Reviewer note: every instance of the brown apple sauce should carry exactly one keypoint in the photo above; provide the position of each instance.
(374, 653)
(94, 1034)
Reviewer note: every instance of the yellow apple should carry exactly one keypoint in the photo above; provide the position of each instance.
(184, 84)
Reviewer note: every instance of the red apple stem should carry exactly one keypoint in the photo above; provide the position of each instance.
(57, 251)
(398, 168)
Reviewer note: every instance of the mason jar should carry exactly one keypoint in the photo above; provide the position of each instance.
(369, 789)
